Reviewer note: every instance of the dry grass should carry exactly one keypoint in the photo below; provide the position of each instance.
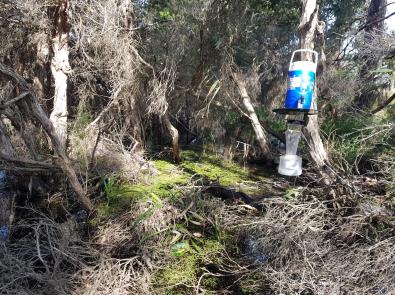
(45, 257)
(310, 249)
(42, 257)
(114, 276)
(298, 244)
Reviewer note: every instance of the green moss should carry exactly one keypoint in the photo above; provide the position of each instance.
(179, 271)
(165, 183)
(186, 260)
(184, 267)
(213, 168)
(119, 196)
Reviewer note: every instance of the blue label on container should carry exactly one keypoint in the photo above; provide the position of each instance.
(300, 90)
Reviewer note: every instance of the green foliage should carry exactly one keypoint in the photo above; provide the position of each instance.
(358, 138)
(232, 118)
(340, 13)
(292, 193)
(83, 118)
(344, 125)
(180, 249)
(279, 12)
(166, 14)
(346, 137)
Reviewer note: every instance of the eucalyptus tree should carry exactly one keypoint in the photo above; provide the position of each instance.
(373, 27)
(60, 67)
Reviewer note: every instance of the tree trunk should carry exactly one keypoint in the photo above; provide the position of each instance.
(376, 13)
(63, 161)
(174, 137)
(374, 25)
(307, 28)
(60, 68)
(256, 125)
(230, 139)
(6, 146)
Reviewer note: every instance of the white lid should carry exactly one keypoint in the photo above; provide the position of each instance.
(303, 65)
(315, 59)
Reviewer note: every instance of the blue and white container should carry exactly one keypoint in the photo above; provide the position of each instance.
(301, 81)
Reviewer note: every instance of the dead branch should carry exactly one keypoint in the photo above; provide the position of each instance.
(14, 100)
(38, 113)
(27, 164)
(259, 131)
(384, 104)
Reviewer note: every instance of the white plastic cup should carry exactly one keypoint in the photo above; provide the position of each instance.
(290, 165)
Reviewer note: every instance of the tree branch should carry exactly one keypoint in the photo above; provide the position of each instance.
(375, 22)
(14, 100)
(384, 104)
(26, 163)
(38, 113)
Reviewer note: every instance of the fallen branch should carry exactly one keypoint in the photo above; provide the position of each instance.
(38, 113)
(224, 193)
(26, 163)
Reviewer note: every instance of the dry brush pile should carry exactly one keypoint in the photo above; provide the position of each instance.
(302, 242)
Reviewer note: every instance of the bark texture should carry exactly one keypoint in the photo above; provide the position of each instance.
(60, 68)
(175, 137)
(308, 28)
(6, 146)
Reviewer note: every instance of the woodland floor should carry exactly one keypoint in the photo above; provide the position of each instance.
(180, 231)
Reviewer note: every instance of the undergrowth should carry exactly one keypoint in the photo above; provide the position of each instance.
(166, 181)
(356, 140)
(166, 236)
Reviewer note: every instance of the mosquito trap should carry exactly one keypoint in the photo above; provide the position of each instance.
(298, 105)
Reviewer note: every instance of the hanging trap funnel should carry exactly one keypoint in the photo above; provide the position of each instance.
(290, 163)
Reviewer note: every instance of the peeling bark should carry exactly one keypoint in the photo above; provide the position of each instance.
(60, 68)
(308, 28)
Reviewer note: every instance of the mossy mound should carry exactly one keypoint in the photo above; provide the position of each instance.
(184, 267)
(165, 183)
